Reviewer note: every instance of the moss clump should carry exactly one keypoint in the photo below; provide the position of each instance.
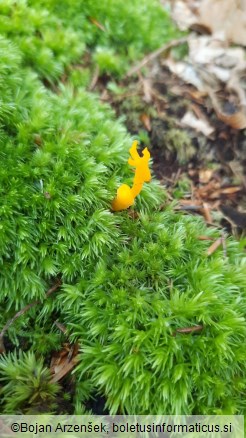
(129, 285)
(180, 142)
(134, 306)
(27, 388)
(52, 35)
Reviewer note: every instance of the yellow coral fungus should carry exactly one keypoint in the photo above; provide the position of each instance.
(125, 194)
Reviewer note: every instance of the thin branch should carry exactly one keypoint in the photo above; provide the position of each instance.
(155, 54)
(223, 238)
(195, 328)
(94, 79)
(214, 246)
(24, 310)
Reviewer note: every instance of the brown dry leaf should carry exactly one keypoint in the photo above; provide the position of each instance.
(230, 190)
(186, 71)
(191, 202)
(204, 238)
(2, 347)
(197, 95)
(184, 91)
(214, 246)
(237, 120)
(206, 213)
(214, 52)
(145, 119)
(205, 175)
(218, 71)
(224, 17)
(212, 190)
(147, 89)
(205, 191)
(227, 17)
(63, 362)
(184, 13)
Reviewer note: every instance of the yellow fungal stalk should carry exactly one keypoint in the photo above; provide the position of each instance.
(125, 194)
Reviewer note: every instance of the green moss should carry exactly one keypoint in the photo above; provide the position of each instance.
(179, 141)
(133, 108)
(52, 35)
(131, 310)
(27, 388)
(182, 187)
(128, 283)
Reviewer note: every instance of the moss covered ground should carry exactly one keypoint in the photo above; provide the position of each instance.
(159, 325)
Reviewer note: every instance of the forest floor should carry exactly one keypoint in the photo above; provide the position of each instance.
(199, 159)
(195, 131)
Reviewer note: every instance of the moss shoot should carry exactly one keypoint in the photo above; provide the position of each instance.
(133, 287)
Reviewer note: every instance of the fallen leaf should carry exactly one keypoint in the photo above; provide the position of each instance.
(206, 213)
(186, 71)
(147, 89)
(226, 18)
(213, 190)
(64, 361)
(2, 347)
(183, 14)
(145, 119)
(205, 175)
(218, 17)
(190, 120)
(218, 71)
(204, 238)
(237, 118)
(230, 190)
(236, 121)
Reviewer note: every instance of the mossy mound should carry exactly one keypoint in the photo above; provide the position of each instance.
(133, 287)
(51, 35)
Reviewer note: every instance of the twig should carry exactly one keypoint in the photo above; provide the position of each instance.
(206, 213)
(24, 310)
(224, 245)
(214, 246)
(195, 328)
(97, 24)
(119, 97)
(61, 327)
(94, 79)
(205, 238)
(155, 54)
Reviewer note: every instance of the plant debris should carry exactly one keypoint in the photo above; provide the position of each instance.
(62, 362)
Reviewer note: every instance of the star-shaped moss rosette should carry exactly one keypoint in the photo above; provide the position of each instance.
(126, 195)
